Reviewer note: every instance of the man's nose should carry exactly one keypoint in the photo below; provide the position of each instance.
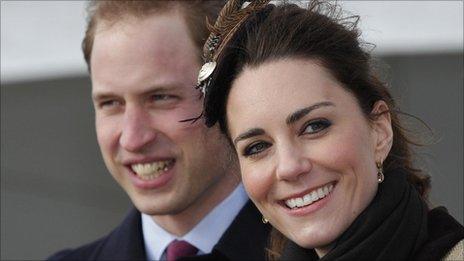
(292, 163)
(136, 131)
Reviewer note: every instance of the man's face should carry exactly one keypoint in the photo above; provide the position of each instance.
(143, 74)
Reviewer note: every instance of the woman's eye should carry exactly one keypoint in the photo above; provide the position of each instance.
(256, 148)
(315, 126)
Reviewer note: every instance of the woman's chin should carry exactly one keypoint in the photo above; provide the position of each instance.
(317, 239)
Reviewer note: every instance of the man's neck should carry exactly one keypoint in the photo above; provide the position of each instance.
(181, 223)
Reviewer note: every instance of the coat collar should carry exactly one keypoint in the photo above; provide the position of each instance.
(126, 241)
(245, 238)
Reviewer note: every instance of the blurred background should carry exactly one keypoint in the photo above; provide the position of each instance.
(55, 189)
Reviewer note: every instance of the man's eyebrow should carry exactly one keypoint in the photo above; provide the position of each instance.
(161, 89)
(302, 112)
(248, 134)
(153, 89)
(102, 95)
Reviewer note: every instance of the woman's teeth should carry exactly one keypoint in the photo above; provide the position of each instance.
(152, 170)
(309, 198)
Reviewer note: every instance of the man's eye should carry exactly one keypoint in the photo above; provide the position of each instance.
(109, 104)
(315, 126)
(162, 97)
(256, 148)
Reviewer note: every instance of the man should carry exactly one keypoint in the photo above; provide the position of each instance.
(144, 58)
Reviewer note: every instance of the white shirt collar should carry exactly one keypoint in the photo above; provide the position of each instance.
(204, 235)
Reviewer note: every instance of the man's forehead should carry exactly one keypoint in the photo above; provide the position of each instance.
(156, 47)
(166, 26)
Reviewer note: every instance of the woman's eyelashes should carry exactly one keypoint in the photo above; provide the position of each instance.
(312, 127)
(255, 148)
(315, 126)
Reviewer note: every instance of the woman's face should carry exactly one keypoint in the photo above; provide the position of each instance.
(307, 153)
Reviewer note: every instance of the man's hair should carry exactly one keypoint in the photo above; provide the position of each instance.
(195, 13)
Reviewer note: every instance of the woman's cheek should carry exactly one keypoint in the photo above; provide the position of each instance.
(256, 181)
(340, 152)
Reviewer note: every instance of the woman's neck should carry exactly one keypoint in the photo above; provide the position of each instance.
(322, 251)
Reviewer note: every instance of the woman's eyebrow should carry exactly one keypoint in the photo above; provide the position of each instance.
(248, 134)
(302, 112)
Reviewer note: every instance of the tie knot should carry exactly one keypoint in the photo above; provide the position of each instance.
(180, 248)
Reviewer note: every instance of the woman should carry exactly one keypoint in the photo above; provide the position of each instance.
(321, 149)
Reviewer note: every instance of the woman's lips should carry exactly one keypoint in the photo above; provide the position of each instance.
(309, 202)
(309, 197)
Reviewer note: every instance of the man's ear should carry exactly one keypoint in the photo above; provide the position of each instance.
(383, 132)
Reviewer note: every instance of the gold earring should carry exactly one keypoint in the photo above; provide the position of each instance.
(380, 176)
(264, 220)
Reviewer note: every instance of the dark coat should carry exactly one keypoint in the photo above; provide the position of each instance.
(245, 239)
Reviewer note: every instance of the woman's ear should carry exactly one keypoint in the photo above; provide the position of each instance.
(383, 132)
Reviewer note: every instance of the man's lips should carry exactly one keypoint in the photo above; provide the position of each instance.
(152, 169)
(151, 175)
(144, 160)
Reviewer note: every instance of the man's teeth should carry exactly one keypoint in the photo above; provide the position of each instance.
(309, 198)
(152, 170)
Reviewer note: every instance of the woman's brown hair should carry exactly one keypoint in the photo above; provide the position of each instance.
(320, 32)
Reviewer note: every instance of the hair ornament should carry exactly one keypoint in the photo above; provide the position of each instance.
(232, 15)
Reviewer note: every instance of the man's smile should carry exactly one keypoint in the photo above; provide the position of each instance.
(148, 171)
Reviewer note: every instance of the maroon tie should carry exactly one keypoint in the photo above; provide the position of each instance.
(177, 249)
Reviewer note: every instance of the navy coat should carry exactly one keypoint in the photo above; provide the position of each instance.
(245, 239)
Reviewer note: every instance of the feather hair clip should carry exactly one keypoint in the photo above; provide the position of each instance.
(229, 20)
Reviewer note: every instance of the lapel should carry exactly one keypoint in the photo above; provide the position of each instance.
(245, 239)
(126, 241)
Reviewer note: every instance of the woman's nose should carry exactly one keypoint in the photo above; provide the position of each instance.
(292, 163)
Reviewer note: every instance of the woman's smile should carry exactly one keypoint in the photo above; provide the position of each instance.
(307, 153)
(322, 150)
(308, 198)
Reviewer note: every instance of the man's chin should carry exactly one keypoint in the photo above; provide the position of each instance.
(159, 209)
